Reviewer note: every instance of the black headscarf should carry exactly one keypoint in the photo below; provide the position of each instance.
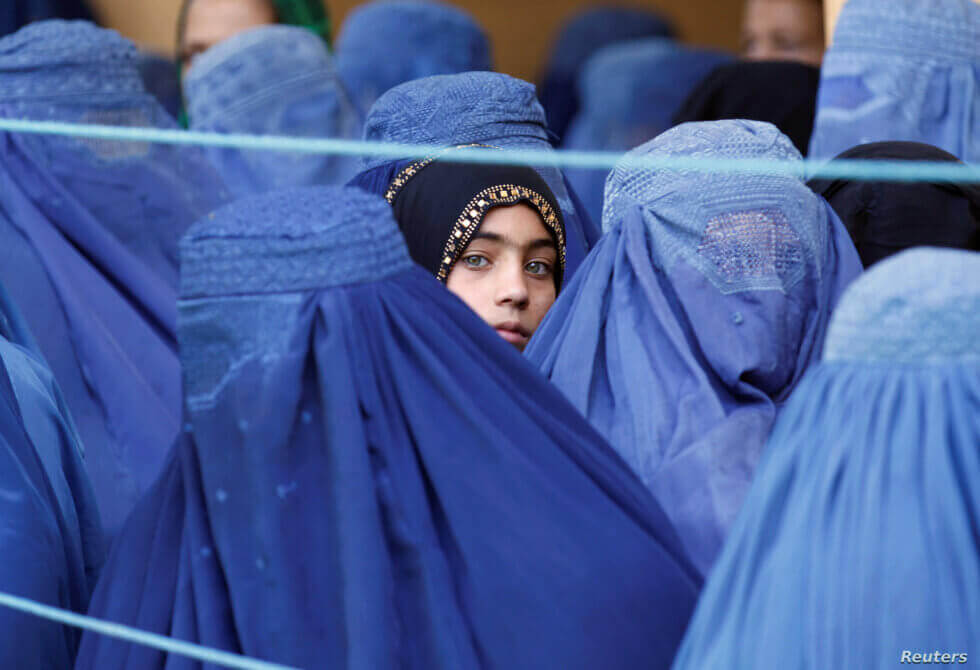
(782, 93)
(440, 205)
(884, 218)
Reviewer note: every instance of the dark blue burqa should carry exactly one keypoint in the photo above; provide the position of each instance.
(88, 245)
(370, 477)
(472, 108)
(51, 544)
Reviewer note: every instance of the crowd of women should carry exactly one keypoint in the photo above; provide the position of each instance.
(377, 412)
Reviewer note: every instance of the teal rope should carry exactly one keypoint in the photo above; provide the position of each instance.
(171, 646)
(858, 170)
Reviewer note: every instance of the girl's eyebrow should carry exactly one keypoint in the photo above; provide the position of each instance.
(541, 242)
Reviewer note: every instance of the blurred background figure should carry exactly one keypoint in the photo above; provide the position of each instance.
(629, 93)
(784, 30)
(204, 23)
(884, 218)
(582, 36)
(902, 70)
(387, 42)
(272, 80)
(780, 92)
(15, 14)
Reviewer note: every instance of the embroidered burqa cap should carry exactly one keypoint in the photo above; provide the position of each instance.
(272, 80)
(88, 244)
(904, 70)
(695, 316)
(868, 485)
(316, 514)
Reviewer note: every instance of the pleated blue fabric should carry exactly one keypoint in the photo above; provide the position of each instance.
(695, 317)
(388, 42)
(272, 80)
(472, 108)
(88, 245)
(901, 70)
(370, 477)
(857, 546)
(50, 534)
(630, 92)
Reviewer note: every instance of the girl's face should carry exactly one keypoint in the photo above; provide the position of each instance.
(783, 30)
(213, 21)
(506, 273)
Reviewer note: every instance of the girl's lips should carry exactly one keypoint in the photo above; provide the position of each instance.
(512, 336)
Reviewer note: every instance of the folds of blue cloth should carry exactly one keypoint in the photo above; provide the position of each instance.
(369, 477)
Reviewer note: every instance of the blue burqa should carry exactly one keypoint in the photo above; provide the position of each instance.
(857, 547)
(695, 316)
(371, 478)
(272, 80)
(583, 35)
(630, 92)
(388, 42)
(472, 108)
(51, 545)
(88, 245)
(15, 14)
(904, 70)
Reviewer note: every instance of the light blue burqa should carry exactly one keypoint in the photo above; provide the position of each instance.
(858, 543)
(272, 80)
(901, 70)
(695, 316)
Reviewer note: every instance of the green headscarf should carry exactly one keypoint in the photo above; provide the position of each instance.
(309, 14)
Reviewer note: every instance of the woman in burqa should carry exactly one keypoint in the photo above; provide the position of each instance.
(884, 218)
(471, 108)
(905, 70)
(88, 245)
(629, 94)
(857, 546)
(272, 80)
(370, 478)
(50, 534)
(388, 42)
(695, 317)
(492, 234)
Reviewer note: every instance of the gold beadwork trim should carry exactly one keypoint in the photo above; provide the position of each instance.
(412, 169)
(495, 196)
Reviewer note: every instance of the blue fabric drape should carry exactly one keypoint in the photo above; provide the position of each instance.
(582, 36)
(472, 107)
(388, 42)
(630, 92)
(858, 541)
(904, 70)
(346, 494)
(695, 316)
(50, 534)
(88, 245)
(272, 80)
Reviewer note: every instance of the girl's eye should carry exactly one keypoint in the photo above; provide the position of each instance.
(475, 261)
(538, 268)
